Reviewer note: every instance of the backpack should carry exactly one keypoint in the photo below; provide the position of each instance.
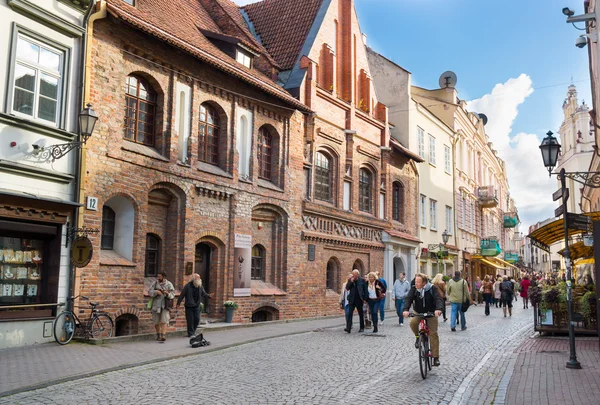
(199, 341)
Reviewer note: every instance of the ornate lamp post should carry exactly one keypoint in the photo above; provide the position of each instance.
(445, 237)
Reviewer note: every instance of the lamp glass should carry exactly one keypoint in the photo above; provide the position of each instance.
(445, 237)
(87, 121)
(550, 149)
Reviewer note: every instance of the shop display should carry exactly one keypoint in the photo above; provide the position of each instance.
(21, 273)
(34, 273)
(32, 290)
(8, 272)
(6, 290)
(18, 290)
(9, 256)
(27, 256)
(21, 270)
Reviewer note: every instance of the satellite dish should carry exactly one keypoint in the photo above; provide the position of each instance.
(483, 118)
(448, 79)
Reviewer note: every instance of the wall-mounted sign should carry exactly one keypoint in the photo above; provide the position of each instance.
(91, 203)
(81, 251)
(242, 252)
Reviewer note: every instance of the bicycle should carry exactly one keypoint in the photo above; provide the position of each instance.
(98, 325)
(425, 357)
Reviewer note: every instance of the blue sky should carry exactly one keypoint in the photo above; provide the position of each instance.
(514, 61)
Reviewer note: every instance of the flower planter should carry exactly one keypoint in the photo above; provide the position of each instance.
(229, 314)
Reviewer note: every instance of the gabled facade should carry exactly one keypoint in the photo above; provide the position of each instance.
(40, 51)
(430, 138)
(359, 208)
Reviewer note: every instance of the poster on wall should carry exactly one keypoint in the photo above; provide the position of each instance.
(242, 265)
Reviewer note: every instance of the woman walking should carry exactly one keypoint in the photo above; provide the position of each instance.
(376, 291)
(439, 282)
(507, 289)
(488, 290)
(525, 283)
(497, 293)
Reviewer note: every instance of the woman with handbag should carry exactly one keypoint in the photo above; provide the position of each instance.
(497, 293)
(487, 289)
(376, 291)
(162, 294)
(439, 282)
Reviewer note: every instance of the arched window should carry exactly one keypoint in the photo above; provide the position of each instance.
(332, 274)
(258, 263)
(208, 139)
(358, 265)
(265, 153)
(398, 201)
(365, 185)
(323, 177)
(108, 228)
(152, 255)
(140, 105)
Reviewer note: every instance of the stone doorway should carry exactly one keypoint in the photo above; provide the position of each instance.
(202, 267)
(126, 324)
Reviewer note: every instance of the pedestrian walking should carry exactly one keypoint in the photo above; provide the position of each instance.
(344, 298)
(525, 283)
(376, 292)
(476, 291)
(440, 284)
(366, 310)
(458, 292)
(382, 303)
(507, 291)
(399, 293)
(161, 292)
(357, 296)
(497, 293)
(193, 293)
(488, 291)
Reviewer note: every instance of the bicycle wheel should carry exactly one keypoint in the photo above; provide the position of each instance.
(429, 357)
(64, 327)
(101, 326)
(423, 355)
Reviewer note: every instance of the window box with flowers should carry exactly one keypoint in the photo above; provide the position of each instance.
(230, 306)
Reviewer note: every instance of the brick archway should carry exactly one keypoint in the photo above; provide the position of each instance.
(127, 321)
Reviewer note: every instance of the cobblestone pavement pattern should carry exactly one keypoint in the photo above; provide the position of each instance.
(326, 366)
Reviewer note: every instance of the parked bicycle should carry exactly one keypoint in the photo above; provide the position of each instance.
(98, 325)
(425, 356)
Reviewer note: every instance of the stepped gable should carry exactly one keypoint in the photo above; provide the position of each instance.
(283, 26)
(179, 23)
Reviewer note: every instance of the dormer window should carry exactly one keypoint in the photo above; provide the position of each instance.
(245, 58)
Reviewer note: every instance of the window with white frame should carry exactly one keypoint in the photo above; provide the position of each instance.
(421, 141)
(432, 214)
(422, 205)
(244, 58)
(38, 75)
(431, 149)
(447, 159)
(449, 220)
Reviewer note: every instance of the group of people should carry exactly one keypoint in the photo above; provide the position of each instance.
(365, 294)
(162, 294)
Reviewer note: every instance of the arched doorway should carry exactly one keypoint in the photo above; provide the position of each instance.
(265, 314)
(202, 265)
(358, 265)
(126, 324)
(399, 268)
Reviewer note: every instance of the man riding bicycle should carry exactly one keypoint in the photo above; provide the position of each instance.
(426, 298)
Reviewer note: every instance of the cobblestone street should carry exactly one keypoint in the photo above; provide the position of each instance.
(325, 366)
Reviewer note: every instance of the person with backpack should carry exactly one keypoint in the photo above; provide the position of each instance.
(507, 293)
(457, 293)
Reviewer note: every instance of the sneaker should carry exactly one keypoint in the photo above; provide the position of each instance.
(361, 330)
(401, 324)
(417, 343)
(463, 328)
(453, 329)
(436, 362)
(347, 330)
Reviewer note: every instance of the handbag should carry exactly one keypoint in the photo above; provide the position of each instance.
(465, 304)
(170, 301)
(150, 303)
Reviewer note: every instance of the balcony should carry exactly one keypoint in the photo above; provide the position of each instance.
(487, 196)
(511, 257)
(490, 247)
(510, 221)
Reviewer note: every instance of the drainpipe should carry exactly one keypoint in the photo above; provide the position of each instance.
(455, 231)
(80, 161)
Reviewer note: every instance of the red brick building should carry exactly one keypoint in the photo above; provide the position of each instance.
(207, 131)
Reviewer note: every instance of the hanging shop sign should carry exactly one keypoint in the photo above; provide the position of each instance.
(81, 251)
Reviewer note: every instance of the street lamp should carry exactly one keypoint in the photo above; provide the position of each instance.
(445, 237)
(87, 121)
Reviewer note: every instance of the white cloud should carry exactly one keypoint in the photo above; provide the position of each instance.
(529, 183)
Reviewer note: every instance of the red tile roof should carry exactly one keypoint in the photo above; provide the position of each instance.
(403, 235)
(283, 26)
(178, 23)
(407, 152)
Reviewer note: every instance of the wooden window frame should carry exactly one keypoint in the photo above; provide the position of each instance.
(398, 201)
(265, 154)
(258, 263)
(207, 142)
(323, 181)
(135, 121)
(107, 239)
(148, 251)
(365, 191)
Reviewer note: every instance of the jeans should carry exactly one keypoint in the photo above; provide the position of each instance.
(399, 306)
(456, 308)
(361, 316)
(382, 309)
(488, 300)
(192, 319)
(347, 311)
(374, 308)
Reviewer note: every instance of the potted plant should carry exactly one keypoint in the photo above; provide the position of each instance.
(230, 306)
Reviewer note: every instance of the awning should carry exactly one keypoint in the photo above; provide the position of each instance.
(492, 264)
(504, 263)
(554, 231)
(579, 250)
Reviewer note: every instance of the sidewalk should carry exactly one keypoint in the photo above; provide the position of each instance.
(540, 376)
(31, 367)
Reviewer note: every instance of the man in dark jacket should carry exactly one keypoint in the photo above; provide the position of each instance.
(193, 293)
(357, 296)
(425, 298)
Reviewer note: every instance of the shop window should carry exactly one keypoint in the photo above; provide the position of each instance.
(152, 266)
(27, 274)
(365, 190)
(108, 228)
(258, 262)
(140, 110)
